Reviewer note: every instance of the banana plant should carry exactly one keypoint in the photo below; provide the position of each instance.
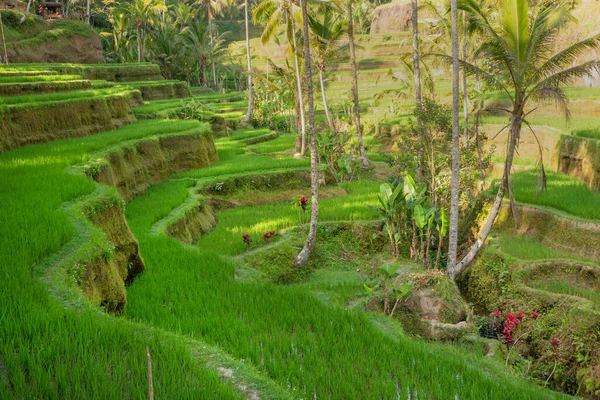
(414, 197)
(387, 272)
(390, 203)
(442, 228)
(400, 293)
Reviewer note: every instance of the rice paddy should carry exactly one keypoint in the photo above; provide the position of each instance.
(199, 308)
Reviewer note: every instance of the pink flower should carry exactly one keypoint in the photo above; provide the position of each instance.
(497, 314)
(555, 341)
(510, 317)
(534, 315)
(508, 339)
(520, 316)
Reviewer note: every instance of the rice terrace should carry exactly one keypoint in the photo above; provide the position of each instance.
(293, 199)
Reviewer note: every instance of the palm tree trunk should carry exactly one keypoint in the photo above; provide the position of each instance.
(325, 107)
(3, 40)
(515, 133)
(139, 43)
(361, 147)
(24, 18)
(304, 254)
(212, 61)
(248, 117)
(300, 94)
(454, 195)
(88, 8)
(417, 83)
(464, 83)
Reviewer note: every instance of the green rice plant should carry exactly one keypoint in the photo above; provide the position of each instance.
(282, 143)
(568, 289)
(27, 88)
(47, 350)
(563, 193)
(38, 78)
(38, 99)
(529, 248)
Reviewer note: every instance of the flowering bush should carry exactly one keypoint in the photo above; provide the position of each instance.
(247, 240)
(303, 202)
(513, 328)
(268, 235)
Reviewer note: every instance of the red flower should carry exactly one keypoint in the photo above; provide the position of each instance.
(303, 202)
(247, 240)
(520, 316)
(272, 233)
(508, 339)
(534, 315)
(497, 314)
(266, 236)
(510, 317)
(555, 341)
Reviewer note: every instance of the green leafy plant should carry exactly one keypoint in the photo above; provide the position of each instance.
(390, 204)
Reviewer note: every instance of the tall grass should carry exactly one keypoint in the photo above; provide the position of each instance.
(562, 193)
(47, 351)
(62, 96)
(38, 78)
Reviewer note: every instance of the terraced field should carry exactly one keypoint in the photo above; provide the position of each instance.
(121, 235)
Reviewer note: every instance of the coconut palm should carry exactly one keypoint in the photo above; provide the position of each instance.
(304, 254)
(248, 116)
(521, 62)
(455, 188)
(212, 8)
(361, 147)
(274, 14)
(328, 30)
(196, 41)
(144, 13)
(3, 40)
(183, 14)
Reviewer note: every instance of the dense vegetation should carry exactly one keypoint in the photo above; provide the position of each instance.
(262, 200)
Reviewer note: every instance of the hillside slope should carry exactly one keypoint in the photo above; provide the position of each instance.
(38, 40)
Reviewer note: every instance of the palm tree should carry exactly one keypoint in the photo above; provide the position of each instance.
(361, 147)
(3, 40)
(248, 116)
(213, 8)
(328, 30)
(144, 13)
(196, 40)
(183, 14)
(275, 13)
(454, 190)
(304, 254)
(521, 62)
(417, 81)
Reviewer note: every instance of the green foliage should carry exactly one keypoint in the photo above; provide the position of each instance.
(336, 150)
(487, 281)
(562, 193)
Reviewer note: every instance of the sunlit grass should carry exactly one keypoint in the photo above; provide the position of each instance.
(562, 193)
(48, 351)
